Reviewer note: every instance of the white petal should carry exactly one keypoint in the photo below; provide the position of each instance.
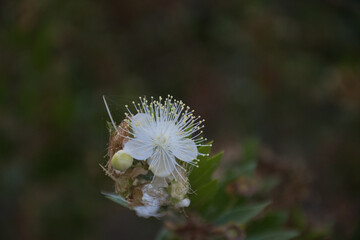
(162, 164)
(159, 182)
(139, 150)
(147, 211)
(140, 121)
(183, 203)
(185, 150)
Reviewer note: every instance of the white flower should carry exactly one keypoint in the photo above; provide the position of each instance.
(162, 132)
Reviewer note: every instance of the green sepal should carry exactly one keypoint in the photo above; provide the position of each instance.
(110, 126)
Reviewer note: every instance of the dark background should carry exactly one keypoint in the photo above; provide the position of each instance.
(283, 72)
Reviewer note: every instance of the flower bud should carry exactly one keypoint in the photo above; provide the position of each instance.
(121, 160)
(179, 190)
(183, 203)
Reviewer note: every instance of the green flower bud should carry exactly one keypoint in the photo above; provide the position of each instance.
(121, 160)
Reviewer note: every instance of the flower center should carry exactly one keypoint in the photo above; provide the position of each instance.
(160, 141)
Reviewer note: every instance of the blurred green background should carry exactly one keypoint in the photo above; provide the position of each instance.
(283, 72)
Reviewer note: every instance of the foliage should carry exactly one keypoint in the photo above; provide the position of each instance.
(220, 209)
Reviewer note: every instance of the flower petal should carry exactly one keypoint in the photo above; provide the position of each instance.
(138, 119)
(147, 211)
(185, 150)
(139, 122)
(139, 150)
(161, 163)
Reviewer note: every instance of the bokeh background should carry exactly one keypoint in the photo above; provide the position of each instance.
(283, 72)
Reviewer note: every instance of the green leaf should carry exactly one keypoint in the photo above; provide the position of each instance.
(116, 198)
(241, 215)
(274, 235)
(163, 234)
(271, 221)
(202, 175)
(218, 205)
(298, 218)
(222, 200)
(250, 150)
(244, 168)
(203, 195)
(269, 183)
